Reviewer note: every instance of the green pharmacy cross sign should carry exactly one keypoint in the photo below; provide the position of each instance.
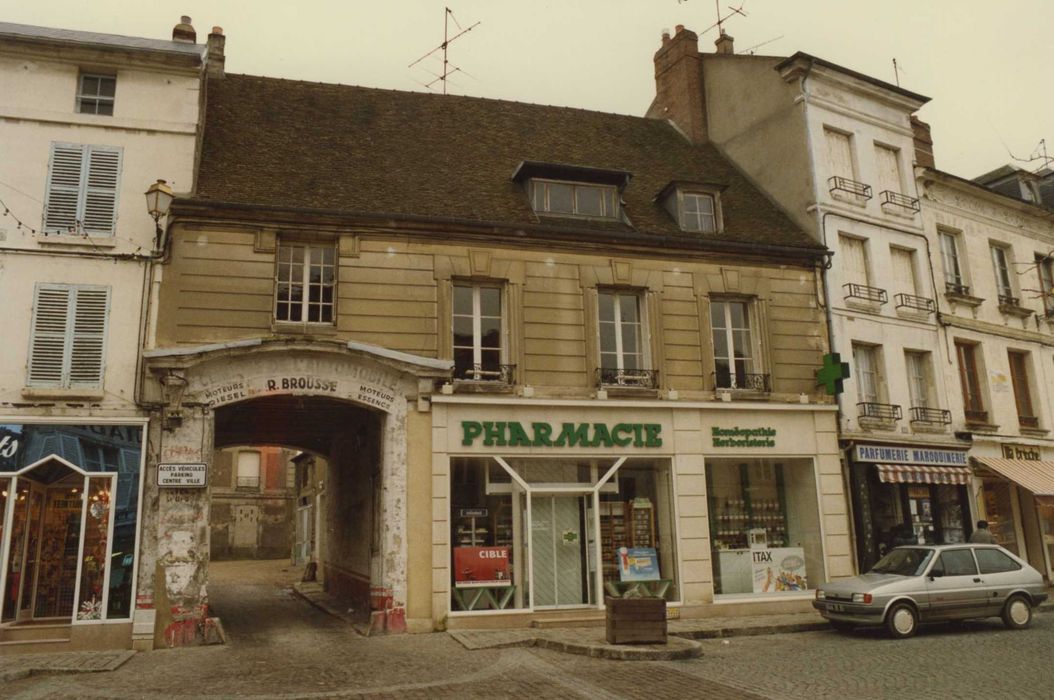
(833, 373)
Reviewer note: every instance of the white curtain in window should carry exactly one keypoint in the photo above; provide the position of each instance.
(866, 373)
(918, 377)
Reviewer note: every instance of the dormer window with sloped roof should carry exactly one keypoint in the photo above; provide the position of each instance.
(696, 207)
(556, 189)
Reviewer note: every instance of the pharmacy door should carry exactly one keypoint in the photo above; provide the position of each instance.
(561, 540)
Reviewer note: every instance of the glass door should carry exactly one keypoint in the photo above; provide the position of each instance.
(561, 533)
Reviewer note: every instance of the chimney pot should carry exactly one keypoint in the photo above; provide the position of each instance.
(184, 31)
(725, 43)
(217, 30)
(665, 37)
(679, 28)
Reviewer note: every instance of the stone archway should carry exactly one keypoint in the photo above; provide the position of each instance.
(188, 386)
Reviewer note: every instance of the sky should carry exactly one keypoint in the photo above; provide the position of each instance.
(985, 64)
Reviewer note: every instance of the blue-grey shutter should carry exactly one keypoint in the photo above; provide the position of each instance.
(47, 345)
(68, 341)
(88, 339)
(82, 189)
(62, 208)
(100, 193)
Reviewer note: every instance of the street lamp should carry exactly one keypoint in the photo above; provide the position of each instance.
(158, 199)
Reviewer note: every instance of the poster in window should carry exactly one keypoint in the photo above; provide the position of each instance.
(638, 564)
(481, 566)
(779, 569)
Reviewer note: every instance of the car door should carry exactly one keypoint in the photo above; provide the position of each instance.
(1000, 574)
(954, 586)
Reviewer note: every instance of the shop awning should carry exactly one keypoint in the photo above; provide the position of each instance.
(918, 474)
(1036, 476)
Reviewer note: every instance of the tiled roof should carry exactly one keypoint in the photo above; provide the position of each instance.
(292, 145)
(30, 32)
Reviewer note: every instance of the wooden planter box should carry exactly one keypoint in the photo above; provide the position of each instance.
(636, 620)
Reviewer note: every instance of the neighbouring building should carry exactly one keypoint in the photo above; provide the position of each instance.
(995, 273)
(87, 122)
(835, 149)
(539, 349)
(253, 500)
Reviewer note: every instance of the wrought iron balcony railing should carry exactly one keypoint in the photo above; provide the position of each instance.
(499, 374)
(862, 291)
(837, 183)
(742, 381)
(910, 301)
(976, 416)
(930, 416)
(639, 378)
(879, 411)
(1007, 300)
(1028, 421)
(896, 199)
(957, 288)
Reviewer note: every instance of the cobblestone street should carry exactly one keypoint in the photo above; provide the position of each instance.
(281, 647)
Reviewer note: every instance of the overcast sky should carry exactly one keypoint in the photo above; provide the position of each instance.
(985, 64)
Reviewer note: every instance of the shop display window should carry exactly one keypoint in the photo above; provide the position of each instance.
(537, 533)
(93, 559)
(1045, 511)
(999, 511)
(764, 525)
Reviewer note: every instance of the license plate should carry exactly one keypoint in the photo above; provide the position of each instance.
(835, 607)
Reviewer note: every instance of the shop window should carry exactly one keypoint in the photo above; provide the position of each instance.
(479, 335)
(305, 283)
(999, 508)
(764, 526)
(529, 533)
(93, 559)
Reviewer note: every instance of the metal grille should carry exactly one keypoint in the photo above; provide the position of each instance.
(499, 374)
(879, 411)
(740, 380)
(932, 416)
(910, 301)
(837, 183)
(643, 378)
(862, 291)
(897, 199)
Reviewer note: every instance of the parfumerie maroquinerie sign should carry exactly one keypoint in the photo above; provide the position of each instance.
(911, 455)
(190, 475)
(516, 434)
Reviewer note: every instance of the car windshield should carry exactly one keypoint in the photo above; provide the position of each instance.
(903, 561)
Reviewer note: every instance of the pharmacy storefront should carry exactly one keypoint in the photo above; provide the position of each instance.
(69, 529)
(541, 508)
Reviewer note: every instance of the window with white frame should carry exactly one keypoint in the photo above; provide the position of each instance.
(1045, 270)
(248, 470)
(698, 212)
(919, 378)
(574, 199)
(735, 365)
(305, 285)
(1003, 281)
(478, 332)
(868, 378)
(95, 93)
(953, 272)
(82, 189)
(623, 358)
(68, 339)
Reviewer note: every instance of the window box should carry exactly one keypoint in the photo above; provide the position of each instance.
(915, 303)
(851, 190)
(897, 202)
(862, 292)
(930, 416)
(884, 412)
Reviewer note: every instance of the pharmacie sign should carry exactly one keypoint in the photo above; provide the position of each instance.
(911, 455)
(516, 434)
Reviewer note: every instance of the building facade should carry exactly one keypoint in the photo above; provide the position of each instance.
(88, 122)
(836, 149)
(532, 359)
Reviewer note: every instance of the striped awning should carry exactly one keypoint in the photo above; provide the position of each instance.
(1034, 475)
(917, 474)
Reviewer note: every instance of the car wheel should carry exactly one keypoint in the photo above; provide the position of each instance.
(840, 626)
(1017, 613)
(902, 621)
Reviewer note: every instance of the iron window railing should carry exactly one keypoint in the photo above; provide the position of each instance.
(724, 379)
(976, 416)
(957, 288)
(862, 291)
(897, 199)
(910, 301)
(931, 416)
(879, 411)
(639, 378)
(837, 183)
(499, 374)
(1007, 300)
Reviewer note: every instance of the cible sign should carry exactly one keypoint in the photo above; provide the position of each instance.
(182, 475)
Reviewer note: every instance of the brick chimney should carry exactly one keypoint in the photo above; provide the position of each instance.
(216, 61)
(679, 84)
(923, 143)
(184, 31)
(724, 43)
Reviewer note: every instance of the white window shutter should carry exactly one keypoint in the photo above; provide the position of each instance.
(62, 209)
(47, 351)
(88, 339)
(100, 196)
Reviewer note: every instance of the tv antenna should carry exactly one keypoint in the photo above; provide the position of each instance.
(755, 47)
(448, 15)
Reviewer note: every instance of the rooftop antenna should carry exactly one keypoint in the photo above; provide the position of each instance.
(448, 15)
(721, 20)
(755, 47)
(896, 72)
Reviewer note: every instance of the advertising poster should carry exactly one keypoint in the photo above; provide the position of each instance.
(481, 566)
(779, 569)
(638, 564)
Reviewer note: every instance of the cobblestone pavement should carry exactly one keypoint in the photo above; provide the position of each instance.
(280, 647)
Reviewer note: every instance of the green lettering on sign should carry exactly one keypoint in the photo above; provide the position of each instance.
(514, 434)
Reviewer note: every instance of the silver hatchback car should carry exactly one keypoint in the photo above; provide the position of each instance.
(932, 583)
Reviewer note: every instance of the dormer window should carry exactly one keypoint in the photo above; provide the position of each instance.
(574, 199)
(695, 206)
